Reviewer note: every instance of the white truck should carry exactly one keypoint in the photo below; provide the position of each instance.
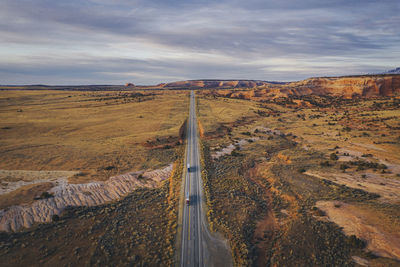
(187, 200)
(188, 167)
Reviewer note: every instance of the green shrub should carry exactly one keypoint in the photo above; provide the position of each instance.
(343, 166)
(55, 218)
(355, 242)
(302, 170)
(45, 195)
(366, 155)
(109, 168)
(362, 165)
(325, 163)
(319, 213)
(333, 156)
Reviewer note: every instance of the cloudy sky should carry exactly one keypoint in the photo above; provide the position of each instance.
(147, 42)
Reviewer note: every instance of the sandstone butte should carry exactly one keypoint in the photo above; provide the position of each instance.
(365, 86)
(89, 194)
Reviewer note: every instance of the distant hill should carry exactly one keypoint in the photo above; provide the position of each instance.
(393, 71)
(220, 84)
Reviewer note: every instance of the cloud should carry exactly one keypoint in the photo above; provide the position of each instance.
(99, 41)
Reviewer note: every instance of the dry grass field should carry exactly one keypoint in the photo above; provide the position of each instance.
(88, 135)
(53, 137)
(297, 172)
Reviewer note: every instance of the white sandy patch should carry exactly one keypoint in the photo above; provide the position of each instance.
(387, 188)
(369, 146)
(355, 222)
(267, 130)
(357, 155)
(228, 150)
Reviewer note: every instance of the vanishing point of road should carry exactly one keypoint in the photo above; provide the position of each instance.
(199, 246)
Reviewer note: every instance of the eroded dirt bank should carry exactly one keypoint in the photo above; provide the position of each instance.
(89, 194)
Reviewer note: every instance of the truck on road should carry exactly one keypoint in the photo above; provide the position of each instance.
(188, 167)
(187, 200)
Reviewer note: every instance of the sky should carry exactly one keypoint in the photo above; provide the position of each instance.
(148, 42)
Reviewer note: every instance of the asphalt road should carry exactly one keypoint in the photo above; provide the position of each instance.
(199, 246)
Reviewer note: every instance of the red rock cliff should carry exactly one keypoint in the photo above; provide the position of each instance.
(362, 86)
(365, 86)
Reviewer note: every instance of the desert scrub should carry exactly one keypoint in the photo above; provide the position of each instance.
(174, 185)
(226, 181)
(206, 163)
(345, 193)
(309, 242)
(131, 231)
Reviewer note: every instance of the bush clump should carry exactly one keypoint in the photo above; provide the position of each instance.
(355, 242)
(318, 212)
(44, 195)
(362, 165)
(302, 170)
(333, 156)
(343, 166)
(325, 164)
(109, 168)
(55, 218)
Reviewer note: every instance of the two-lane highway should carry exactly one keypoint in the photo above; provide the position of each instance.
(193, 248)
(199, 246)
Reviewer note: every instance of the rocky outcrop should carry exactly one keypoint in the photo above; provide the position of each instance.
(353, 86)
(90, 194)
(363, 86)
